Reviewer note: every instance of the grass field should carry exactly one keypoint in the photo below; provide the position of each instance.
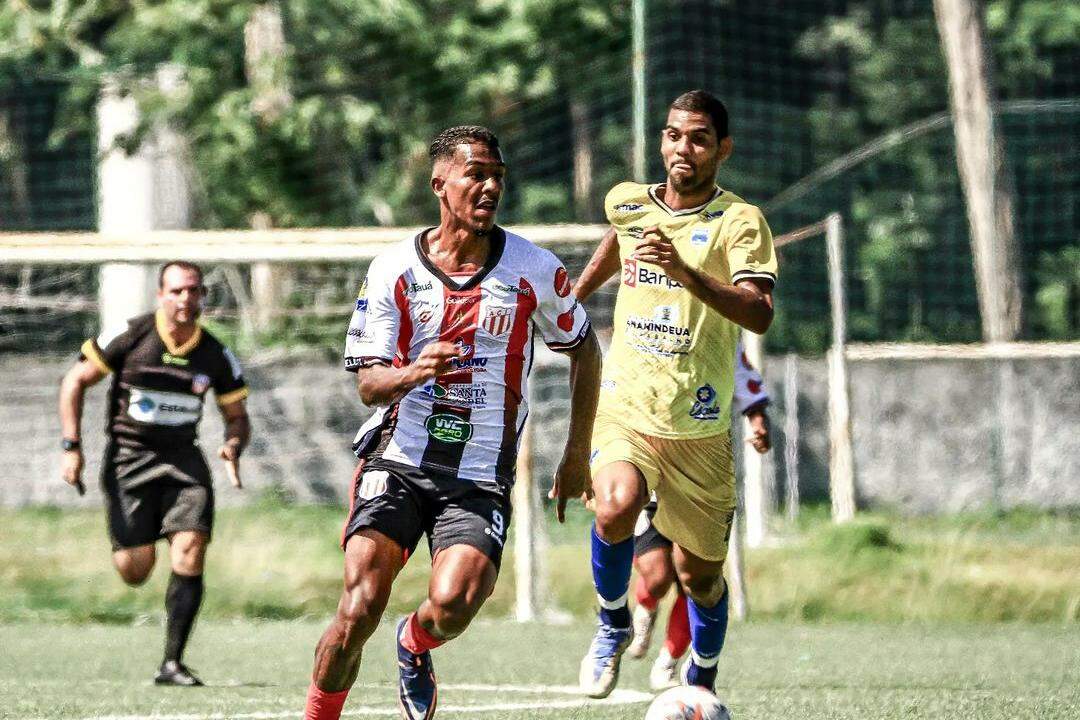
(770, 671)
(274, 560)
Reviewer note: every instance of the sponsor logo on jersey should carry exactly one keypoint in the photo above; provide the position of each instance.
(705, 406)
(462, 299)
(169, 359)
(361, 305)
(634, 275)
(448, 428)
(638, 322)
(627, 207)
(413, 288)
(472, 395)
(635, 232)
(497, 319)
(562, 282)
(700, 236)
(666, 313)
(658, 337)
(465, 359)
(360, 333)
(200, 383)
(708, 215)
(155, 407)
(512, 289)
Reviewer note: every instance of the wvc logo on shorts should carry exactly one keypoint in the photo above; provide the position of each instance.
(497, 319)
(448, 428)
(200, 384)
(705, 407)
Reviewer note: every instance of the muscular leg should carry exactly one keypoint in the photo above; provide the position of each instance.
(134, 563)
(704, 583)
(187, 552)
(620, 494)
(372, 561)
(656, 575)
(462, 578)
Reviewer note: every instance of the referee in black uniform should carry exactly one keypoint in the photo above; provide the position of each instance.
(155, 479)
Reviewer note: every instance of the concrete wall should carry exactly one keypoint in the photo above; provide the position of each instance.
(930, 436)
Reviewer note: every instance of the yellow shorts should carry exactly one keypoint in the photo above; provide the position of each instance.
(694, 482)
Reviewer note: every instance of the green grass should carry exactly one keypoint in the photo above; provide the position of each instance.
(277, 561)
(769, 671)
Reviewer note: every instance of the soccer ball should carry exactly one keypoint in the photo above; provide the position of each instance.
(687, 703)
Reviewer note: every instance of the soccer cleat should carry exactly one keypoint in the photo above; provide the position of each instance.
(417, 690)
(644, 619)
(600, 666)
(173, 672)
(694, 674)
(664, 673)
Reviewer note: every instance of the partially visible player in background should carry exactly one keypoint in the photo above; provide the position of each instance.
(441, 342)
(154, 476)
(697, 264)
(652, 551)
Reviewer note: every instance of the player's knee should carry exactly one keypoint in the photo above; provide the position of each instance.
(453, 608)
(133, 566)
(361, 608)
(133, 576)
(706, 589)
(615, 520)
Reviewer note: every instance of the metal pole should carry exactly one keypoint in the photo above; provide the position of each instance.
(525, 567)
(791, 434)
(757, 491)
(841, 464)
(638, 65)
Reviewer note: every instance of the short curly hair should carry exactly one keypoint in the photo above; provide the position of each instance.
(705, 102)
(446, 142)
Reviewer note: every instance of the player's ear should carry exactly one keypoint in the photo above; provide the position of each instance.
(725, 148)
(438, 182)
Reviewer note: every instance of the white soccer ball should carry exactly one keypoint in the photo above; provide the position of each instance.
(687, 703)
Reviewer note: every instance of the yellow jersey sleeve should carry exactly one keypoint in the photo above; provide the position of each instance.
(748, 244)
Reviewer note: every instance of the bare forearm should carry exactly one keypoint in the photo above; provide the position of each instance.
(238, 431)
(585, 366)
(742, 304)
(383, 385)
(602, 265)
(71, 406)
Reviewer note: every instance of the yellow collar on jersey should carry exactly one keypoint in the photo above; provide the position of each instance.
(655, 195)
(173, 348)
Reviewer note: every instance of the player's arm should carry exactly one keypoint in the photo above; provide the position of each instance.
(72, 391)
(572, 478)
(602, 265)
(381, 384)
(748, 303)
(237, 436)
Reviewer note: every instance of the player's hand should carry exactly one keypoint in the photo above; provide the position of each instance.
(759, 438)
(230, 453)
(656, 248)
(71, 468)
(435, 359)
(572, 479)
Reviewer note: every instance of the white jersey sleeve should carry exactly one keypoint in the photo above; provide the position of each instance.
(376, 320)
(560, 317)
(749, 385)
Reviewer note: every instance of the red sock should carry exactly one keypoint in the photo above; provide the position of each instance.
(416, 639)
(322, 705)
(678, 628)
(641, 594)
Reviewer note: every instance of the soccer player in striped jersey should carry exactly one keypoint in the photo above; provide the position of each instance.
(441, 340)
(697, 264)
(652, 551)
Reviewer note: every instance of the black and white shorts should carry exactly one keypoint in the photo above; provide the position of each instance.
(646, 536)
(153, 493)
(404, 502)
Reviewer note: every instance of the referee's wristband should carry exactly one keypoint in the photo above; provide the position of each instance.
(67, 444)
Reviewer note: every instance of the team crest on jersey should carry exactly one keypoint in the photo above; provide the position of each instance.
(562, 282)
(700, 236)
(200, 383)
(705, 406)
(497, 319)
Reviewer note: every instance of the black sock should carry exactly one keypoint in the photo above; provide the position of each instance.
(182, 601)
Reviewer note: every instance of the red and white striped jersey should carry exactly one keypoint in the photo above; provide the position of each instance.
(465, 423)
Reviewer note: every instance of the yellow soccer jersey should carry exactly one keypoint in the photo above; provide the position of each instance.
(670, 369)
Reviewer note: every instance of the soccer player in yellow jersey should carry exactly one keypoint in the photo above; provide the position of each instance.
(697, 264)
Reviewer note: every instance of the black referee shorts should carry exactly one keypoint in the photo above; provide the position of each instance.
(152, 493)
(404, 503)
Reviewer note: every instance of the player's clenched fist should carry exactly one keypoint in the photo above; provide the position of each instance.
(656, 248)
(71, 467)
(572, 479)
(435, 359)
